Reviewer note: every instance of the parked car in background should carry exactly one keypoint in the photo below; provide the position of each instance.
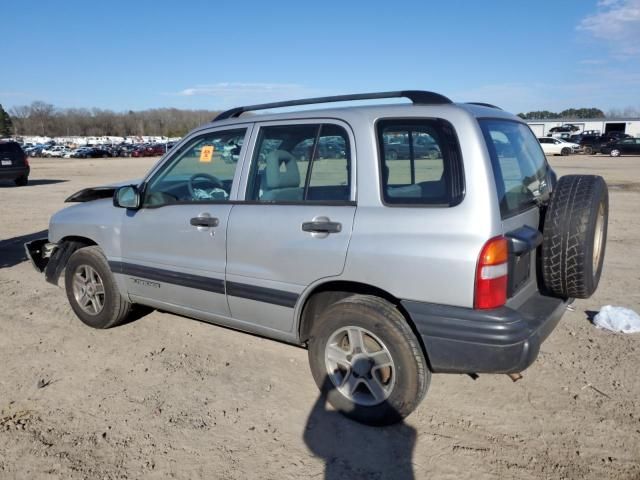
(57, 151)
(126, 150)
(14, 164)
(139, 151)
(80, 152)
(98, 153)
(422, 146)
(626, 146)
(565, 128)
(595, 143)
(557, 146)
(34, 151)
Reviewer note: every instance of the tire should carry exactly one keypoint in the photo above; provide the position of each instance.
(565, 151)
(392, 155)
(588, 150)
(115, 308)
(400, 386)
(615, 152)
(575, 236)
(22, 181)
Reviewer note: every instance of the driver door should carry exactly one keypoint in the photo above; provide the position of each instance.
(174, 247)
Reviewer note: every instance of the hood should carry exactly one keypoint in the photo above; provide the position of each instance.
(104, 191)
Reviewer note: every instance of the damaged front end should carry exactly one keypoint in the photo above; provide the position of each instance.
(50, 258)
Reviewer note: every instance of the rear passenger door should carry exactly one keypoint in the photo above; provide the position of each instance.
(294, 225)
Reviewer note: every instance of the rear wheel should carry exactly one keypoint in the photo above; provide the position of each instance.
(575, 236)
(615, 152)
(366, 360)
(92, 290)
(392, 155)
(588, 150)
(22, 181)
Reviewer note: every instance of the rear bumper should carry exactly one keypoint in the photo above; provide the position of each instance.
(14, 172)
(503, 340)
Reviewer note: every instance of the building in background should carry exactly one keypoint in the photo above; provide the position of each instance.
(630, 126)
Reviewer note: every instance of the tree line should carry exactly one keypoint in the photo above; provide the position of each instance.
(40, 118)
(568, 113)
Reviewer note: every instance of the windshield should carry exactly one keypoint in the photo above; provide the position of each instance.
(519, 165)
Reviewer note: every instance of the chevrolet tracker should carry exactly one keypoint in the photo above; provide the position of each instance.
(393, 241)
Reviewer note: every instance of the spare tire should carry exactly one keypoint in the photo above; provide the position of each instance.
(575, 236)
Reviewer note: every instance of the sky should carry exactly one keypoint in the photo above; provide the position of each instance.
(134, 55)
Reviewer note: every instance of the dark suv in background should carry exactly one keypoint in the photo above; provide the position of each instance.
(13, 163)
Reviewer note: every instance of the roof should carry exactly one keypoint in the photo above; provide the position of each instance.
(372, 112)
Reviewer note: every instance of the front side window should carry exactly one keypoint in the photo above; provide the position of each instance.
(301, 163)
(420, 163)
(519, 165)
(201, 171)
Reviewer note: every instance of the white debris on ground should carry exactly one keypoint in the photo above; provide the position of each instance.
(617, 319)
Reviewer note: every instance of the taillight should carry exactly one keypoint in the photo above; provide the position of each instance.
(491, 274)
(26, 160)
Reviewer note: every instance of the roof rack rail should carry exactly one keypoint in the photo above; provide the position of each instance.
(483, 105)
(418, 97)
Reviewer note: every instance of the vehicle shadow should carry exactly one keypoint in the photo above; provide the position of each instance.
(355, 451)
(12, 249)
(32, 183)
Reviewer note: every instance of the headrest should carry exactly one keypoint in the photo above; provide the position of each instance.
(282, 170)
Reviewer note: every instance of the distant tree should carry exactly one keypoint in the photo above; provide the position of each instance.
(568, 113)
(42, 118)
(6, 125)
(582, 113)
(538, 115)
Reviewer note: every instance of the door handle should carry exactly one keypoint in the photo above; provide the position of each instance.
(204, 222)
(322, 226)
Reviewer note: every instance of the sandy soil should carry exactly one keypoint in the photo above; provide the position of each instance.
(169, 397)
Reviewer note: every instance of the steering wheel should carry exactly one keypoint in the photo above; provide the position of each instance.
(216, 183)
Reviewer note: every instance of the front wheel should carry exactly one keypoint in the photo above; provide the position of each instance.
(366, 360)
(92, 290)
(565, 151)
(615, 152)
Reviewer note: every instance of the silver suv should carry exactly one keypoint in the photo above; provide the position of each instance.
(394, 241)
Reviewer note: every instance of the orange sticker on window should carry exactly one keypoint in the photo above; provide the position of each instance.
(206, 154)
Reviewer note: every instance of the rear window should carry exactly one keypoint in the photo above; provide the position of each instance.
(519, 165)
(420, 163)
(10, 147)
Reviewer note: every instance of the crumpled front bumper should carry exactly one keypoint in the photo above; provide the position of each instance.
(38, 253)
(49, 258)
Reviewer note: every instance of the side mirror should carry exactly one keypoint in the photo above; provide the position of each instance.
(127, 197)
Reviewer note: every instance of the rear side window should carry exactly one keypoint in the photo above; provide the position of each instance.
(420, 163)
(519, 165)
(301, 163)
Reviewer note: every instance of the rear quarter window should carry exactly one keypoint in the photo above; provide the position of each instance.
(519, 166)
(420, 163)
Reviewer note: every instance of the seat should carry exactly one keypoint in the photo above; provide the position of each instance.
(282, 178)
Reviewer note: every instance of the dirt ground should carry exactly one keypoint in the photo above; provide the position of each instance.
(169, 397)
